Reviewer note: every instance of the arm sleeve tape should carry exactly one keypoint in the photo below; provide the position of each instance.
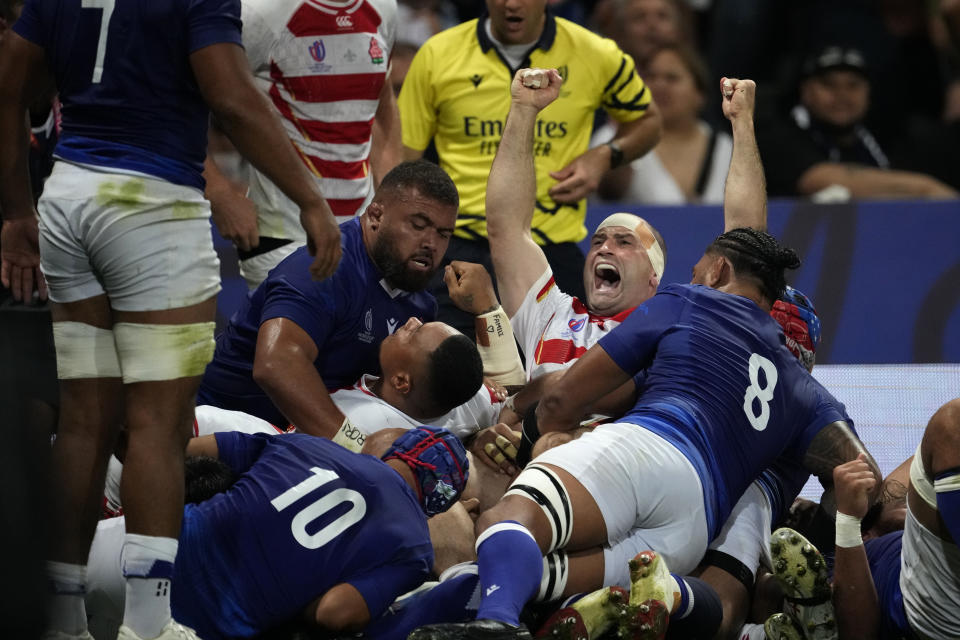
(498, 349)
(947, 487)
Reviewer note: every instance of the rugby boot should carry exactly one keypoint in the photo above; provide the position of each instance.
(780, 626)
(475, 630)
(588, 617)
(802, 574)
(652, 593)
(172, 631)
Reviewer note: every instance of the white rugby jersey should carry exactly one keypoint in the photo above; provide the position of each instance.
(554, 329)
(322, 64)
(369, 413)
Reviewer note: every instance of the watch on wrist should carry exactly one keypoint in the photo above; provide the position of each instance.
(616, 154)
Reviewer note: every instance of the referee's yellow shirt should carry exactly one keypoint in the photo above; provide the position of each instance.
(457, 92)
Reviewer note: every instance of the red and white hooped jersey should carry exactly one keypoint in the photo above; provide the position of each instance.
(369, 413)
(322, 63)
(554, 329)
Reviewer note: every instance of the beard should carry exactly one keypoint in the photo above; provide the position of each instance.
(394, 267)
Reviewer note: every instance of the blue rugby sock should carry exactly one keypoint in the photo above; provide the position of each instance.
(510, 568)
(700, 611)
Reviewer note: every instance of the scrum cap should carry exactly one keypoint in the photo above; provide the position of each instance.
(439, 463)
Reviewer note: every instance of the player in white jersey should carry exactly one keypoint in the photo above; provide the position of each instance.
(325, 65)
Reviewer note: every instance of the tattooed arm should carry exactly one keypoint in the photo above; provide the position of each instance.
(834, 445)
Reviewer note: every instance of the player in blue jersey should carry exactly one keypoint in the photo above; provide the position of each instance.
(294, 340)
(126, 251)
(308, 530)
(723, 399)
(904, 583)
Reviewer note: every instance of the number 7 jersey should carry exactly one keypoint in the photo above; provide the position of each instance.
(304, 515)
(122, 68)
(721, 386)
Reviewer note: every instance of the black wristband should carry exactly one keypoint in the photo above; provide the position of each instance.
(616, 154)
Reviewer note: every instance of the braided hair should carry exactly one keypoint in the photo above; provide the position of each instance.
(757, 254)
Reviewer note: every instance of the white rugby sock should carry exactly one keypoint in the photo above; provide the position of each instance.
(148, 567)
(67, 612)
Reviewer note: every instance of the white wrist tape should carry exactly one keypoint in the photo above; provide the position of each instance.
(848, 531)
(498, 349)
(85, 351)
(349, 436)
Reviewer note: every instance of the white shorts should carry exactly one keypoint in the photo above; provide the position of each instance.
(746, 533)
(649, 494)
(106, 588)
(930, 582)
(143, 241)
(254, 270)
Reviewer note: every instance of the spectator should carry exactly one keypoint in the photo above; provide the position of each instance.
(457, 95)
(691, 160)
(641, 27)
(403, 53)
(825, 142)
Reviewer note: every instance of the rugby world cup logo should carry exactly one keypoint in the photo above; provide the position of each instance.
(317, 51)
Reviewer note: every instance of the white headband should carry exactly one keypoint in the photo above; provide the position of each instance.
(644, 232)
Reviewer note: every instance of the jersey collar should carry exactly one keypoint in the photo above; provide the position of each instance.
(547, 36)
(579, 307)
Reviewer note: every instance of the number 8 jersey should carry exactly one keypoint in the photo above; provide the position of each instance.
(305, 515)
(721, 386)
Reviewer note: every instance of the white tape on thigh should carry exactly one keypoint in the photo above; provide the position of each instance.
(540, 484)
(85, 351)
(152, 352)
(498, 349)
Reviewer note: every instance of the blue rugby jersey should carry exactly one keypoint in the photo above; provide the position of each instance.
(305, 515)
(883, 554)
(347, 316)
(122, 69)
(720, 386)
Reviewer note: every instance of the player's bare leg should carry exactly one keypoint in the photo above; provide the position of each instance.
(158, 415)
(513, 536)
(90, 409)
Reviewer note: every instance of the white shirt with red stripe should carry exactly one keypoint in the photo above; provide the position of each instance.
(554, 329)
(369, 413)
(322, 64)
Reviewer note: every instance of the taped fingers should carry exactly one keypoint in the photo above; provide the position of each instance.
(506, 447)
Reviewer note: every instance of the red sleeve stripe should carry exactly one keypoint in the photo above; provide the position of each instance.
(546, 288)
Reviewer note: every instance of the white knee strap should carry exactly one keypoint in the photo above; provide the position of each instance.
(543, 486)
(152, 352)
(85, 351)
(556, 569)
